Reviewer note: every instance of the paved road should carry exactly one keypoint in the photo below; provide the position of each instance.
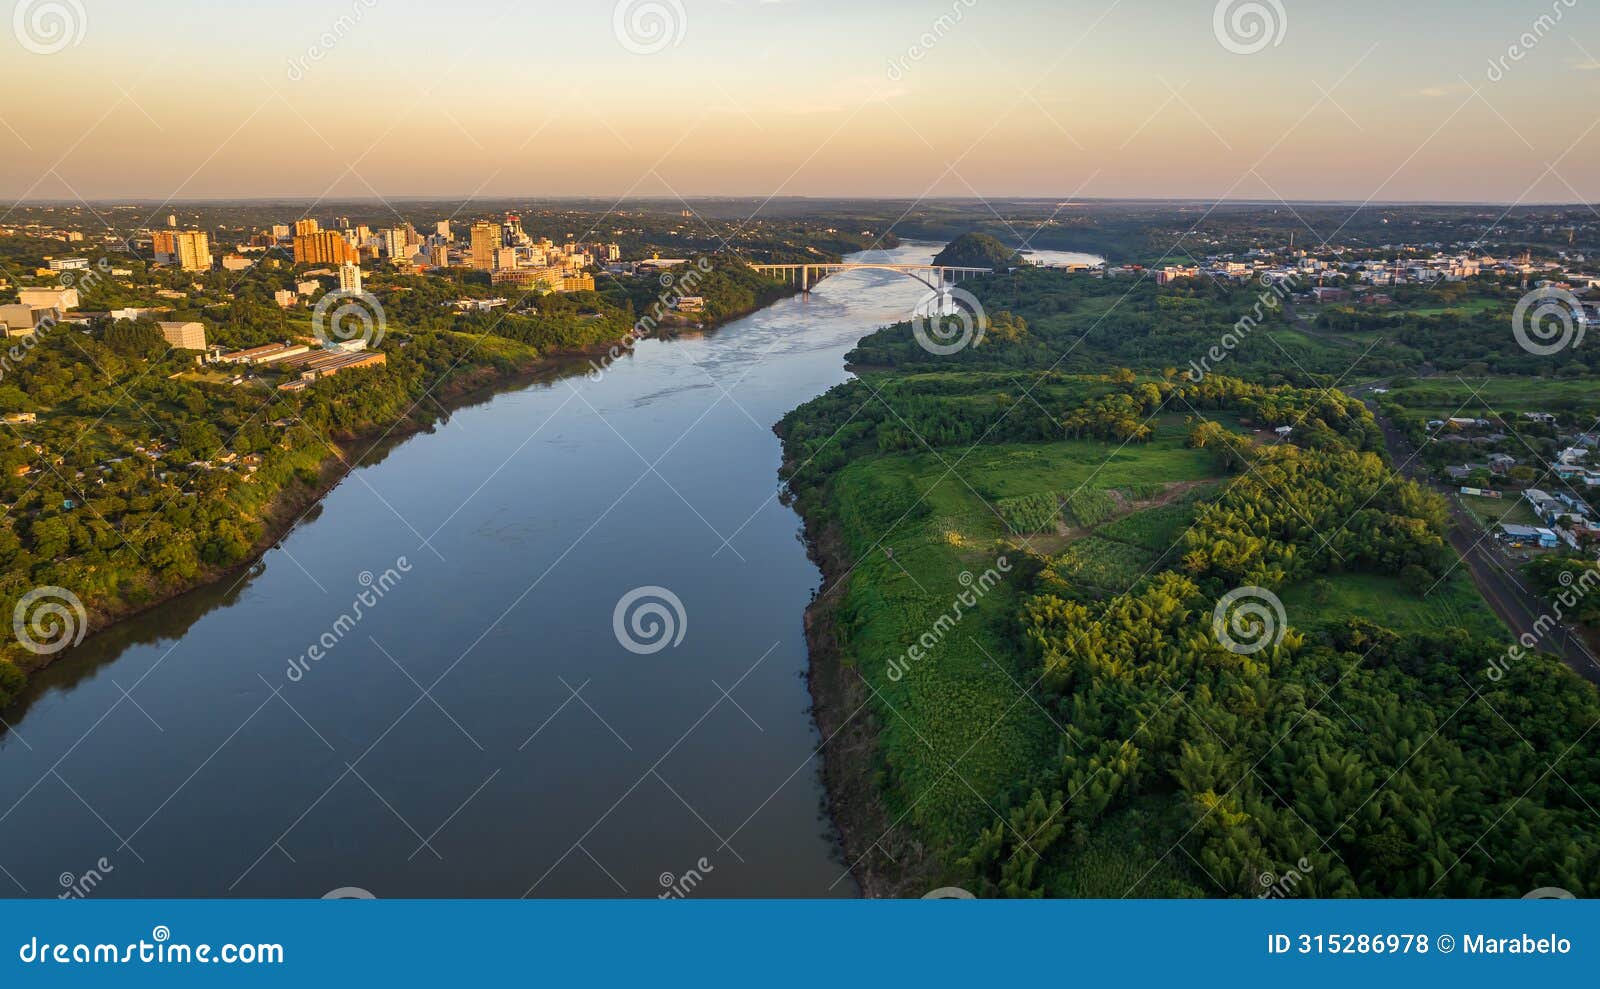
(1493, 571)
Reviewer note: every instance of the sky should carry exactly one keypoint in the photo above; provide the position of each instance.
(1402, 100)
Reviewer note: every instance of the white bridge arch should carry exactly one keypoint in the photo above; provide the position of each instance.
(935, 276)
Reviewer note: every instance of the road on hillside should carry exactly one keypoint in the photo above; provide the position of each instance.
(1492, 571)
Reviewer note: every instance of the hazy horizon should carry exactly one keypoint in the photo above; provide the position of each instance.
(1249, 100)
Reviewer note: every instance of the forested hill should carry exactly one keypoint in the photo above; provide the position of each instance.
(977, 251)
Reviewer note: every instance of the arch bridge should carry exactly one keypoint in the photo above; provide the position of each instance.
(935, 276)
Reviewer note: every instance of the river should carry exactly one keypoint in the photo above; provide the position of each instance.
(482, 728)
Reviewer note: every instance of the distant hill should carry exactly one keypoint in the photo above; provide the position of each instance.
(978, 251)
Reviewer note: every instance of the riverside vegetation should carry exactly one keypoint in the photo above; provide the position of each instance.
(1084, 732)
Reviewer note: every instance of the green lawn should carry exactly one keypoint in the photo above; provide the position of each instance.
(1455, 603)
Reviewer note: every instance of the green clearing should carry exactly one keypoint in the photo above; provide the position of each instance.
(1490, 512)
(1012, 470)
(1471, 307)
(1384, 600)
(1453, 396)
(961, 706)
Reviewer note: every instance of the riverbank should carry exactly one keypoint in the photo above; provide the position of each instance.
(883, 859)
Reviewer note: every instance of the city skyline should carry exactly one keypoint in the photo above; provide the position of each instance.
(1141, 99)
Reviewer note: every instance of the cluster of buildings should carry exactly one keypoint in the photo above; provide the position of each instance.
(1567, 519)
(1563, 516)
(302, 363)
(1331, 278)
(501, 248)
(40, 307)
(512, 257)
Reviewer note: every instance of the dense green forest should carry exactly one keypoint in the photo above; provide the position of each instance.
(1086, 730)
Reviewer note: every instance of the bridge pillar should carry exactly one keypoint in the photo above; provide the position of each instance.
(805, 279)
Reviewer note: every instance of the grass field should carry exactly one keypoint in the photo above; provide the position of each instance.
(1472, 396)
(1490, 512)
(1471, 307)
(957, 723)
(1455, 603)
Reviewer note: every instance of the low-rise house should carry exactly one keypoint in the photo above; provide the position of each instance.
(1527, 535)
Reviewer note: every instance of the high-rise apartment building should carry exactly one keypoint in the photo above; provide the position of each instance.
(305, 227)
(349, 277)
(485, 240)
(163, 246)
(323, 247)
(442, 228)
(194, 250)
(394, 244)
